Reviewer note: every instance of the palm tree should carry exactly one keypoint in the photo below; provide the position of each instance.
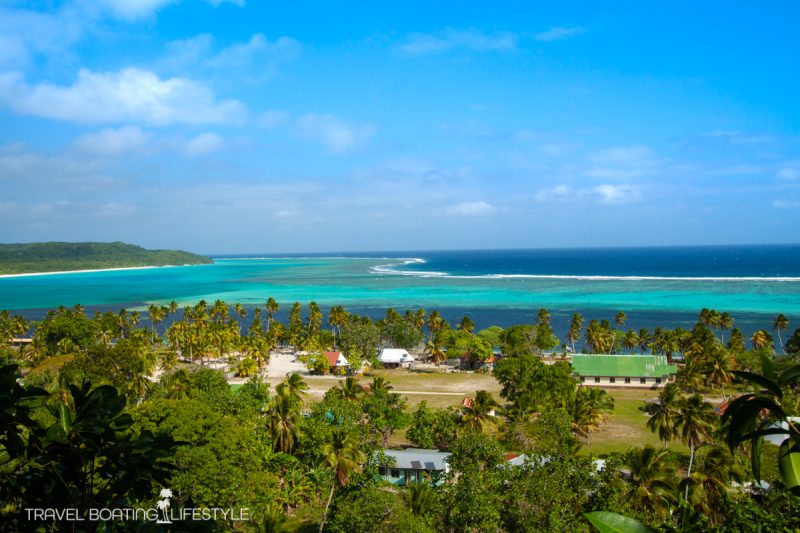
(575, 327)
(434, 348)
(466, 325)
(631, 340)
(420, 497)
(644, 340)
(693, 422)
(314, 318)
(543, 317)
(781, 322)
(246, 367)
(587, 407)
(292, 388)
(272, 308)
(435, 323)
(241, 312)
(296, 318)
(761, 339)
(652, 480)
(336, 319)
(379, 386)
(282, 422)
(619, 320)
(711, 482)
(156, 313)
(663, 414)
(598, 338)
(419, 319)
(348, 390)
(737, 342)
(481, 416)
(718, 363)
(342, 455)
(725, 324)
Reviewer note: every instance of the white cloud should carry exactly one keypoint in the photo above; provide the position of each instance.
(242, 54)
(737, 137)
(559, 192)
(135, 9)
(256, 59)
(622, 162)
(336, 135)
(790, 172)
(604, 194)
(138, 9)
(471, 209)
(112, 141)
(26, 33)
(445, 41)
(204, 144)
(130, 95)
(616, 194)
(623, 154)
(786, 204)
(558, 33)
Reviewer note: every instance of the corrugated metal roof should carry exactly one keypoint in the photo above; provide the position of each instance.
(395, 355)
(414, 458)
(634, 366)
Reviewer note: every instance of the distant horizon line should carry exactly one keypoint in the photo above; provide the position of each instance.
(232, 255)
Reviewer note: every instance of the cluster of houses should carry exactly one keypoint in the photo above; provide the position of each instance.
(416, 465)
(631, 371)
(389, 358)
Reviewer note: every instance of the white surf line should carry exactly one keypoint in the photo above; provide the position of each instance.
(389, 268)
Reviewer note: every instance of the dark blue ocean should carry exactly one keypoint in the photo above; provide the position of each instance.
(664, 286)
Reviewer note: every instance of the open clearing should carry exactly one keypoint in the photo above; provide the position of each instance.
(624, 428)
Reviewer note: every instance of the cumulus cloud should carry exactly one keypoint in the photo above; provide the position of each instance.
(448, 40)
(26, 33)
(130, 95)
(204, 144)
(336, 135)
(471, 209)
(558, 33)
(112, 141)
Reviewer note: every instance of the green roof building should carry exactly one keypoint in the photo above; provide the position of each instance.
(650, 371)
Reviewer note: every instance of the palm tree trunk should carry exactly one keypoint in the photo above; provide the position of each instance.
(689, 472)
(780, 341)
(325, 512)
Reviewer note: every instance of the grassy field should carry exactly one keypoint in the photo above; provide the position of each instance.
(624, 428)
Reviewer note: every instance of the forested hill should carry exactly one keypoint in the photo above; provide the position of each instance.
(58, 256)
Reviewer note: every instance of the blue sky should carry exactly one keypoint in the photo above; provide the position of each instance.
(242, 126)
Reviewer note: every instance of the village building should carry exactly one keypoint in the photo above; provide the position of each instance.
(395, 358)
(414, 465)
(633, 371)
(336, 362)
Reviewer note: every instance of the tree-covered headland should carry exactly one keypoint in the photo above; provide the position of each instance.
(65, 256)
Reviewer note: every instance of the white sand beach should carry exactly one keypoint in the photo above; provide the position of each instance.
(27, 274)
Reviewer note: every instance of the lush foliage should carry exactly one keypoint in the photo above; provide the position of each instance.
(61, 256)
